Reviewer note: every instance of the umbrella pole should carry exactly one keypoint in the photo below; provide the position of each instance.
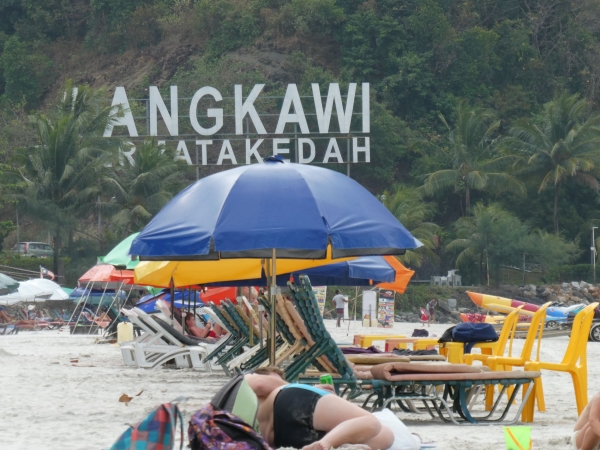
(349, 319)
(183, 309)
(172, 295)
(273, 306)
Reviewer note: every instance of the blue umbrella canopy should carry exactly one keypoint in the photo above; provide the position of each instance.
(295, 209)
(362, 271)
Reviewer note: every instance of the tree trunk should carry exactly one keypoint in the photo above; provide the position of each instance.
(127, 229)
(556, 195)
(468, 201)
(56, 244)
(481, 269)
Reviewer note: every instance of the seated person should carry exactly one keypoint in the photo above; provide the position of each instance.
(311, 417)
(194, 330)
(4, 316)
(586, 435)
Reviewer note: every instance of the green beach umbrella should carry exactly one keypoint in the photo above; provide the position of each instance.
(119, 256)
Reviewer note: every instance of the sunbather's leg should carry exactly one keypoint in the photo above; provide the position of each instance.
(347, 423)
(587, 426)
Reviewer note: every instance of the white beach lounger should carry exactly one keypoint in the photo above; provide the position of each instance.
(161, 345)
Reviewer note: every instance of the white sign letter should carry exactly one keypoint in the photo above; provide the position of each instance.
(311, 145)
(366, 109)
(247, 107)
(291, 98)
(129, 156)
(281, 150)
(226, 153)
(203, 145)
(120, 99)
(253, 151)
(324, 116)
(171, 120)
(333, 151)
(366, 149)
(182, 153)
(217, 113)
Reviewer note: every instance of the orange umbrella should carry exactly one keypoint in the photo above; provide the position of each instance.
(403, 276)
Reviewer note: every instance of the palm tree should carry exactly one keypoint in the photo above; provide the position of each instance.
(408, 207)
(142, 184)
(487, 235)
(564, 145)
(59, 174)
(474, 163)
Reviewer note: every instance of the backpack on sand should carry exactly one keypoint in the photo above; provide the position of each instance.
(214, 429)
(228, 422)
(155, 432)
(471, 333)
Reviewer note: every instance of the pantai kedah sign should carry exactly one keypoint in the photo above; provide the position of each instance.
(211, 129)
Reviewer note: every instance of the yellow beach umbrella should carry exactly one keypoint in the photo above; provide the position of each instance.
(189, 273)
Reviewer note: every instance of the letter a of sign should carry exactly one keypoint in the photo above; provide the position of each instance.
(333, 151)
(120, 101)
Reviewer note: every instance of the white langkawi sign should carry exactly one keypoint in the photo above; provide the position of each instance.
(209, 129)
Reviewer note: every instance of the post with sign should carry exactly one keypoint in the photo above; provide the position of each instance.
(385, 313)
(320, 295)
(369, 308)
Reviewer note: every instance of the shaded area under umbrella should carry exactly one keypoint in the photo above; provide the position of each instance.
(272, 210)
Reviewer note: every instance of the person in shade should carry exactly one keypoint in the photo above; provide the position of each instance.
(586, 434)
(431, 309)
(312, 417)
(338, 301)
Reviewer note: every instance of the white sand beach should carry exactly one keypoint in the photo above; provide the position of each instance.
(62, 392)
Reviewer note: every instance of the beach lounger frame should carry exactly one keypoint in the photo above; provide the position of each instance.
(160, 345)
(451, 403)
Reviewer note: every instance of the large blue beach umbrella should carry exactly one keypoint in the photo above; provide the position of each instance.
(272, 210)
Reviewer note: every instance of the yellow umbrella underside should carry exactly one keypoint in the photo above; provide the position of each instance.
(189, 273)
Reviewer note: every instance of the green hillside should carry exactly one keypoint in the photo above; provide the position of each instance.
(485, 134)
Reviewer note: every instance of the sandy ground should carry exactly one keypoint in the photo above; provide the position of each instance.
(47, 401)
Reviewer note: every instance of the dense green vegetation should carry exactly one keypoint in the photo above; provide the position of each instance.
(484, 129)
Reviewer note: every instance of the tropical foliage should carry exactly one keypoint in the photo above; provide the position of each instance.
(59, 174)
(141, 184)
(471, 155)
(486, 103)
(564, 144)
(413, 212)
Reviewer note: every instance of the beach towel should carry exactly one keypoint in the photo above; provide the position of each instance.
(215, 429)
(155, 432)
(403, 438)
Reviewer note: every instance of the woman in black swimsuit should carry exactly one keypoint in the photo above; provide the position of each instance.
(314, 419)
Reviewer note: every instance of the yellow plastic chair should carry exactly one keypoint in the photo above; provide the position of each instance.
(505, 363)
(535, 328)
(574, 361)
(508, 329)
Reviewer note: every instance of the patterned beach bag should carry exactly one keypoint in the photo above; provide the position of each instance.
(155, 432)
(215, 429)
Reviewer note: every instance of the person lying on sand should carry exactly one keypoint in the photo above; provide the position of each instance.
(586, 435)
(312, 417)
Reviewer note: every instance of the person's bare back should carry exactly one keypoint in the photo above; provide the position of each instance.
(330, 421)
